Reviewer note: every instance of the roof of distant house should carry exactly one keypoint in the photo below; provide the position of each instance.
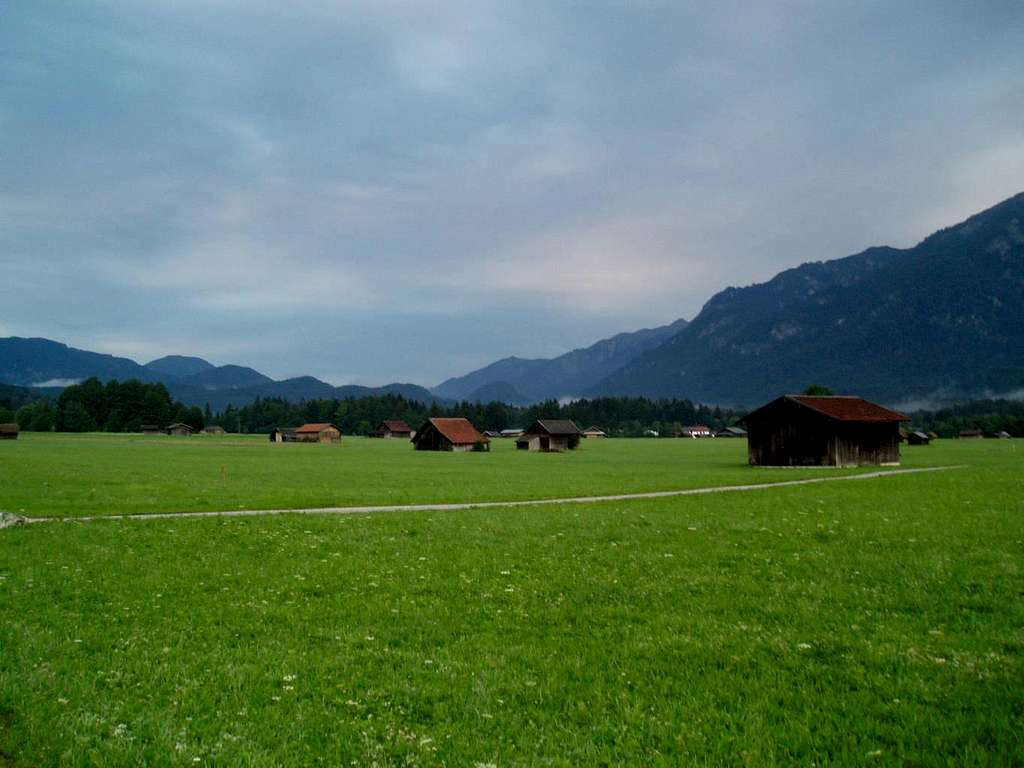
(396, 425)
(554, 427)
(457, 430)
(315, 428)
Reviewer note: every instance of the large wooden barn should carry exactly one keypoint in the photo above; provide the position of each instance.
(394, 428)
(816, 431)
(9, 431)
(549, 435)
(318, 433)
(453, 434)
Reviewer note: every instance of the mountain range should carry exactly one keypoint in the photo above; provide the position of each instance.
(523, 380)
(942, 320)
(50, 365)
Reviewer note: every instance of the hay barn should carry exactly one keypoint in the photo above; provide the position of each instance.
(454, 434)
(590, 432)
(9, 431)
(731, 432)
(549, 435)
(971, 434)
(318, 433)
(180, 430)
(828, 431)
(394, 428)
(152, 429)
(697, 430)
(214, 431)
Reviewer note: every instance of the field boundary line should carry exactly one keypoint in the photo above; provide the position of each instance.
(466, 505)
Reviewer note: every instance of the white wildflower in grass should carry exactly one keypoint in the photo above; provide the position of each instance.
(62, 701)
(804, 646)
(288, 678)
(506, 573)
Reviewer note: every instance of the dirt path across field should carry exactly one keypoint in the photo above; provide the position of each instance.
(485, 504)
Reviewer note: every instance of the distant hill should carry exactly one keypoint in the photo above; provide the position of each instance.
(49, 366)
(179, 365)
(227, 377)
(41, 362)
(498, 392)
(942, 319)
(567, 375)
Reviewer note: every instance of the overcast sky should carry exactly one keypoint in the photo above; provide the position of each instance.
(369, 192)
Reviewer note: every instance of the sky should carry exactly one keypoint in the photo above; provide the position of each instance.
(382, 191)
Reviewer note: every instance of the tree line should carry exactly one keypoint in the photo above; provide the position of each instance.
(125, 406)
(117, 406)
(624, 416)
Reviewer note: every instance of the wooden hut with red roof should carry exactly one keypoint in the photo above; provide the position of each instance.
(449, 435)
(394, 428)
(823, 431)
(318, 433)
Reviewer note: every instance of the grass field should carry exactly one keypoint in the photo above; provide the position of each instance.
(835, 624)
(74, 475)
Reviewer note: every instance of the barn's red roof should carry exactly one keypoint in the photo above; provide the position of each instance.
(396, 425)
(458, 431)
(844, 408)
(315, 428)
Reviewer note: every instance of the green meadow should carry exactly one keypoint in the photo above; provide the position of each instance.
(875, 622)
(96, 474)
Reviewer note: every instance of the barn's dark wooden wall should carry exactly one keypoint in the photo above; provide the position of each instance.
(789, 435)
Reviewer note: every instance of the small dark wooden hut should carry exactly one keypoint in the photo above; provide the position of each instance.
(152, 429)
(550, 435)
(971, 434)
(594, 432)
(9, 431)
(394, 428)
(180, 430)
(283, 435)
(832, 431)
(916, 437)
(731, 432)
(455, 434)
(214, 430)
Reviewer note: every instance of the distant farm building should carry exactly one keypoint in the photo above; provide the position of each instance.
(971, 434)
(697, 430)
(318, 433)
(152, 429)
(916, 437)
(394, 428)
(453, 434)
(180, 430)
(731, 432)
(283, 435)
(513, 432)
(594, 432)
(214, 431)
(549, 435)
(9, 431)
(492, 433)
(826, 431)
(1002, 434)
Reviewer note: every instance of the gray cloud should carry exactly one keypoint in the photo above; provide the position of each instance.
(375, 191)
